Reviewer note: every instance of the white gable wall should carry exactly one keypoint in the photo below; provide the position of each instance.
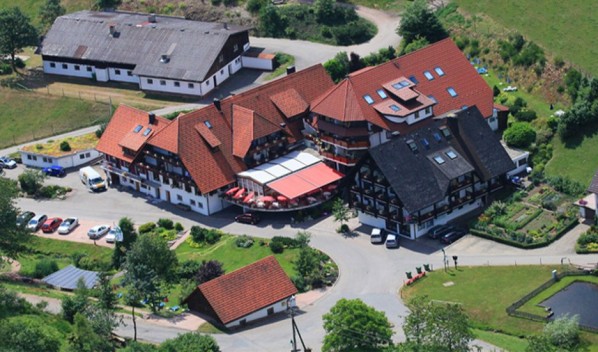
(277, 307)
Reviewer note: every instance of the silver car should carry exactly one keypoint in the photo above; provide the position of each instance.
(37, 222)
(98, 231)
(68, 225)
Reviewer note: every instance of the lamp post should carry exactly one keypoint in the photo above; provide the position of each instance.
(444, 260)
(291, 306)
(455, 260)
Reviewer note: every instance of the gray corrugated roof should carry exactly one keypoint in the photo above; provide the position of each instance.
(68, 277)
(193, 46)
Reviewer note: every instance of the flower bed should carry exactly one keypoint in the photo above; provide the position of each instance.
(588, 241)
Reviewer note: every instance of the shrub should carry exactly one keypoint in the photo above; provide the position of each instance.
(526, 115)
(147, 227)
(5, 68)
(44, 267)
(31, 181)
(53, 191)
(100, 130)
(188, 269)
(168, 235)
(276, 247)
(244, 241)
(166, 223)
(518, 104)
(495, 91)
(94, 264)
(287, 242)
(520, 134)
(254, 6)
(179, 227)
(65, 146)
(213, 236)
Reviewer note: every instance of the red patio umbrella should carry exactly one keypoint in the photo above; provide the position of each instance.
(249, 197)
(267, 199)
(282, 199)
(231, 191)
(239, 193)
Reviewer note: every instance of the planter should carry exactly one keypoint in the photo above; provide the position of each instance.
(409, 276)
(427, 267)
(418, 269)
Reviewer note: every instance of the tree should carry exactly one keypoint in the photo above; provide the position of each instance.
(340, 213)
(105, 4)
(72, 305)
(16, 32)
(338, 67)
(11, 304)
(272, 23)
(14, 239)
(209, 270)
(416, 44)
(307, 265)
(419, 21)
(190, 342)
(355, 62)
(127, 227)
(83, 338)
(324, 10)
(563, 332)
(31, 181)
(351, 325)
(437, 327)
(520, 135)
(106, 298)
(50, 11)
(28, 336)
(139, 347)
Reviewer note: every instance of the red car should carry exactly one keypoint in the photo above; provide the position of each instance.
(51, 225)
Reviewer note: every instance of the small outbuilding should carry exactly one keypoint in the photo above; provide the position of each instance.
(67, 278)
(253, 292)
(588, 204)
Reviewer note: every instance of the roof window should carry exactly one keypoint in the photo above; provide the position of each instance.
(368, 99)
(439, 160)
(425, 143)
(412, 145)
(413, 79)
(451, 91)
(428, 75)
(137, 129)
(433, 99)
(147, 132)
(439, 71)
(208, 124)
(464, 107)
(437, 137)
(394, 107)
(445, 131)
(451, 154)
(382, 93)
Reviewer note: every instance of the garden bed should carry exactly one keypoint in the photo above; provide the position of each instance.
(588, 241)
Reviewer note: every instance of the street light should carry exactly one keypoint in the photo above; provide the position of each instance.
(291, 306)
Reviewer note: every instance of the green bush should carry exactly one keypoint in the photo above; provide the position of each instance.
(204, 235)
(566, 185)
(526, 115)
(100, 130)
(94, 264)
(65, 146)
(244, 241)
(213, 236)
(276, 247)
(188, 269)
(166, 223)
(179, 227)
(254, 6)
(5, 68)
(168, 235)
(286, 242)
(520, 134)
(53, 191)
(44, 267)
(147, 227)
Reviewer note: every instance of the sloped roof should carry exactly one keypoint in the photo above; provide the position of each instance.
(247, 127)
(246, 290)
(418, 179)
(192, 46)
(207, 135)
(168, 137)
(68, 277)
(345, 102)
(120, 129)
(290, 102)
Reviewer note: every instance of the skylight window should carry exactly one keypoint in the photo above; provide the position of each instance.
(451, 154)
(368, 99)
(382, 93)
(437, 137)
(439, 71)
(137, 129)
(464, 107)
(439, 160)
(397, 86)
(445, 131)
(394, 107)
(433, 99)
(425, 143)
(413, 79)
(405, 83)
(147, 132)
(428, 75)
(451, 91)
(412, 145)
(208, 124)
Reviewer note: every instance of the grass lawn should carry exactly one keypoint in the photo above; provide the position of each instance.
(393, 6)
(284, 61)
(507, 342)
(29, 116)
(576, 158)
(52, 147)
(564, 28)
(32, 8)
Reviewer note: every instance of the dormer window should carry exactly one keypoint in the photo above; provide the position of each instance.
(208, 124)
(437, 137)
(137, 129)
(445, 131)
(368, 99)
(428, 75)
(413, 79)
(412, 145)
(382, 93)
(425, 143)
(433, 99)
(439, 71)
(451, 91)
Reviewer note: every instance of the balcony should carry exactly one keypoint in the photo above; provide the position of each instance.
(496, 186)
(480, 192)
(349, 161)
(443, 209)
(346, 144)
(277, 206)
(456, 186)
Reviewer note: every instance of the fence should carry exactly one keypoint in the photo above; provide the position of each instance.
(82, 95)
(512, 310)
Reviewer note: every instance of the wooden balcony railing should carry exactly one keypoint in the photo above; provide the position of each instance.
(340, 159)
(346, 144)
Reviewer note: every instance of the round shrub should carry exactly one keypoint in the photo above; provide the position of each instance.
(276, 247)
(147, 227)
(526, 115)
(178, 227)
(213, 236)
(166, 223)
(44, 268)
(65, 146)
(198, 234)
(244, 241)
(520, 135)
(188, 269)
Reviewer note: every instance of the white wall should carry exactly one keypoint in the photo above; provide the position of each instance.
(371, 220)
(70, 69)
(122, 75)
(279, 307)
(257, 63)
(524, 158)
(221, 75)
(235, 65)
(102, 75)
(169, 86)
(417, 232)
(66, 161)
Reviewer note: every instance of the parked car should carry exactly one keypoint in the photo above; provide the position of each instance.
(377, 236)
(392, 241)
(36, 222)
(115, 234)
(54, 170)
(7, 162)
(439, 231)
(452, 236)
(248, 218)
(51, 225)
(68, 225)
(24, 217)
(98, 231)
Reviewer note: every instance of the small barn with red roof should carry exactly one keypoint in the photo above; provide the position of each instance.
(253, 292)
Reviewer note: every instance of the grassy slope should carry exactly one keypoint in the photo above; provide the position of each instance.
(576, 158)
(31, 8)
(565, 28)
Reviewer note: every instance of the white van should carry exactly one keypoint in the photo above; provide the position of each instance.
(377, 236)
(92, 179)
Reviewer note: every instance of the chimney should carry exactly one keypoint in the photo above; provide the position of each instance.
(112, 28)
(217, 104)
(290, 69)
(226, 26)
(283, 125)
(164, 58)
(151, 118)
(151, 18)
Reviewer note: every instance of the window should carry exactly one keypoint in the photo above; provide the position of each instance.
(445, 131)
(394, 107)
(451, 154)
(150, 81)
(179, 197)
(221, 72)
(437, 137)
(65, 66)
(236, 47)
(208, 124)
(177, 84)
(117, 72)
(147, 132)
(439, 71)
(191, 85)
(428, 75)
(87, 155)
(464, 107)
(77, 68)
(200, 205)
(428, 110)
(207, 83)
(401, 84)
(192, 202)
(162, 82)
(129, 73)
(425, 143)
(81, 156)
(439, 160)
(382, 93)
(451, 91)
(137, 129)
(433, 99)
(88, 68)
(368, 99)
(53, 65)
(412, 145)
(413, 79)
(416, 114)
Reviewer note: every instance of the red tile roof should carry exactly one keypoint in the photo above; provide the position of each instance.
(207, 135)
(290, 103)
(345, 102)
(167, 138)
(246, 290)
(119, 132)
(247, 127)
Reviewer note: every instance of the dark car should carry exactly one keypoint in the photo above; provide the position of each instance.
(452, 236)
(248, 218)
(54, 170)
(51, 225)
(24, 217)
(439, 231)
